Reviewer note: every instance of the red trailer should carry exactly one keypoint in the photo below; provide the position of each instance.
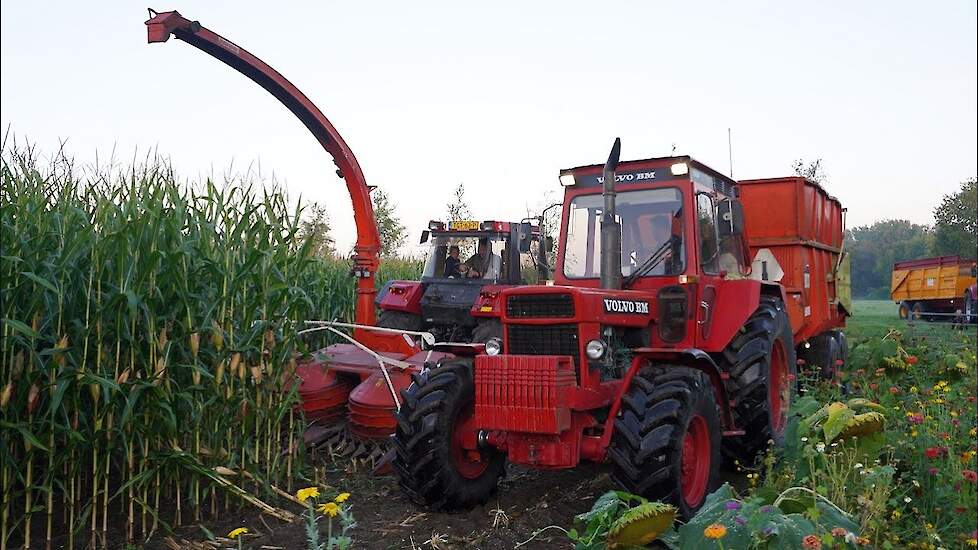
(795, 235)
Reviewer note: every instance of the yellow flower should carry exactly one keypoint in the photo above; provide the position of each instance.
(342, 497)
(715, 531)
(237, 532)
(972, 542)
(307, 493)
(329, 509)
(973, 432)
(913, 389)
(896, 514)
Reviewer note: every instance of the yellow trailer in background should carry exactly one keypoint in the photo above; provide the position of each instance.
(931, 288)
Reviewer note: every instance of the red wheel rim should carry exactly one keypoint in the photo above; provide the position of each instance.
(465, 454)
(778, 388)
(695, 461)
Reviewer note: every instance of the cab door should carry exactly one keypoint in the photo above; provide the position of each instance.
(708, 253)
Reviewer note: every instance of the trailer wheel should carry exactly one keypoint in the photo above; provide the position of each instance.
(969, 307)
(666, 440)
(437, 459)
(763, 378)
(843, 349)
(904, 310)
(917, 313)
(824, 354)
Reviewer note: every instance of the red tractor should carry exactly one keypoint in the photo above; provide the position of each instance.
(659, 348)
(453, 301)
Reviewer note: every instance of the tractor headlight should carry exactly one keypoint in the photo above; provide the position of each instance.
(494, 346)
(679, 169)
(595, 349)
(567, 180)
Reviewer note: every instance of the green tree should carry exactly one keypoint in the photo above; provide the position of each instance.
(458, 208)
(956, 222)
(392, 232)
(814, 171)
(315, 227)
(874, 248)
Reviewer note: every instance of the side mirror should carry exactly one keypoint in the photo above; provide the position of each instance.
(424, 236)
(730, 218)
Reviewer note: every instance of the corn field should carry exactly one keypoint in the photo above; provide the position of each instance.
(148, 349)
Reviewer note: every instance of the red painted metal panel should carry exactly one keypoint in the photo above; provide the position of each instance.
(801, 224)
(520, 393)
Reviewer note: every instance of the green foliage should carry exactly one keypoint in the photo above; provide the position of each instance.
(149, 337)
(392, 232)
(956, 221)
(609, 514)
(756, 522)
(458, 208)
(315, 228)
(874, 249)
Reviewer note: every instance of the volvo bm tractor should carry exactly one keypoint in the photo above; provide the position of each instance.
(667, 341)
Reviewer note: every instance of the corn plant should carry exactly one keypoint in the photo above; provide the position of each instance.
(147, 338)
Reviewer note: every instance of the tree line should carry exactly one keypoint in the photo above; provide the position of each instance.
(877, 246)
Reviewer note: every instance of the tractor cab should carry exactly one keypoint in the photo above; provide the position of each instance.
(468, 264)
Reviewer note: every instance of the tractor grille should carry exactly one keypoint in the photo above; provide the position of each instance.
(543, 340)
(530, 306)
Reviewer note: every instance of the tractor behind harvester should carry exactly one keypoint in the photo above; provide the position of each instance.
(682, 300)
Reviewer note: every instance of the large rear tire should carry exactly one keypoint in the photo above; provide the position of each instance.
(763, 378)
(437, 460)
(666, 440)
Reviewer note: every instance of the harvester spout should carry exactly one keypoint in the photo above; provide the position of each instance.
(610, 228)
(367, 249)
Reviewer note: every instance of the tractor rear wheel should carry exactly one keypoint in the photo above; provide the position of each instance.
(400, 320)
(666, 440)
(763, 378)
(438, 460)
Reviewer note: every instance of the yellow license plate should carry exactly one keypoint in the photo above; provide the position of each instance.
(464, 225)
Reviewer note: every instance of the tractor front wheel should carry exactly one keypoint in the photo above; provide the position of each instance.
(763, 377)
(438, 460)
(666, 440)
(970, 303)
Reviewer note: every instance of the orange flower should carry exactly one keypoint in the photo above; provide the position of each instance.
(715, 531)
(812, 542)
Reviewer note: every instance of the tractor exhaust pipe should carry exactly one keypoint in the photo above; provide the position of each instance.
(610, 228)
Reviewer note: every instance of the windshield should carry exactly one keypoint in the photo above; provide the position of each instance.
(457, 257)
(648, 219)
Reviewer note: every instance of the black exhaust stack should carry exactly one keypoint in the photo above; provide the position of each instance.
(610, 228)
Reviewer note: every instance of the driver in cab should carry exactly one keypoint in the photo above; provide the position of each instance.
(483, 264)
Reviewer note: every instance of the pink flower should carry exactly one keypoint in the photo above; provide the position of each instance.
(932, 471)
(916, 418)
(970, 475)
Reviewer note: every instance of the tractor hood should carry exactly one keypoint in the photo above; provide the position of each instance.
(567, 304)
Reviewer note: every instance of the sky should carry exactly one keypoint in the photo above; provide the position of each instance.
(500, 95)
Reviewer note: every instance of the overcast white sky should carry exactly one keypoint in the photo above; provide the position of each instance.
(501, 95)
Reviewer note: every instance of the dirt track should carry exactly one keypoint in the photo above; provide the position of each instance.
(527, 501)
